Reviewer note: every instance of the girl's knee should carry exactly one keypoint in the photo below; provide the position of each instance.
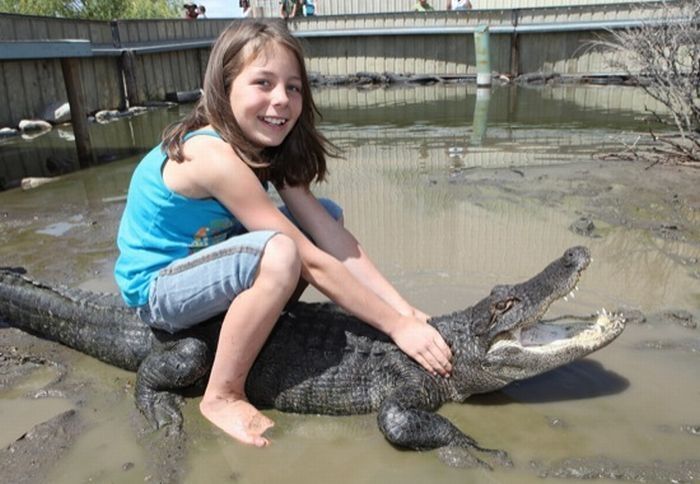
(281, 259)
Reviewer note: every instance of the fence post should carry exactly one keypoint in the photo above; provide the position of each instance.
(514, 45)
(128, 65)
(74, 90)
(483, 58)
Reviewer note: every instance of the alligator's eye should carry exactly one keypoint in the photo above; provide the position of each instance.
(503, 306)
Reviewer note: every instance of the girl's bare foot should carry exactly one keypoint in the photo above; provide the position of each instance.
(238, 418)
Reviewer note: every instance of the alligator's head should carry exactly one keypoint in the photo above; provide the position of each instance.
(502, 338)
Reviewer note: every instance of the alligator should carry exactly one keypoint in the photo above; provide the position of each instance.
(319, 359)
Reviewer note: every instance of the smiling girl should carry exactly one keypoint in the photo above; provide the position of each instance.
(200, 236)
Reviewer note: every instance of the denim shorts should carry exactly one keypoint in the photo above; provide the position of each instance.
(202, 285)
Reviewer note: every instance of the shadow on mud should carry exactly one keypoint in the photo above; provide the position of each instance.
(580, 380)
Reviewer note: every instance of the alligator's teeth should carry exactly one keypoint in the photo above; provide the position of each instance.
(572, 295)
(566, 298)
(576, 287)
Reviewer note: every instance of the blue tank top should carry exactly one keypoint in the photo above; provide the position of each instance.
(159, 226)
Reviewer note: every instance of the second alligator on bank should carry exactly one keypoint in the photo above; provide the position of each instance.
(319, 359)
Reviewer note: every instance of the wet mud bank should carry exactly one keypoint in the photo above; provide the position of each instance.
(661, 202)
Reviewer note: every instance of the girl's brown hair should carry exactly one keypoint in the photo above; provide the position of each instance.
(301, 157)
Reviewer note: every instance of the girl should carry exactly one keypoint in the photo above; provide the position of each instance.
(199, 235)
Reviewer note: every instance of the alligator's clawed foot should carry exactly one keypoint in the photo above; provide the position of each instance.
(456, 456)
(167, 411)
(178, 364)
(161, 410)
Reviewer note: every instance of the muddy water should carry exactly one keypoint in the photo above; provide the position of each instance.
(451, 193)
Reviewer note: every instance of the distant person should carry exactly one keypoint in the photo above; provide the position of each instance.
(290, 8)
(423, 6)
(191, 11)
(202, 10)
(309, 8)
(245, 6)
(459, 4)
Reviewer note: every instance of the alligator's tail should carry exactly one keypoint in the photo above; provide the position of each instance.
(96, 324)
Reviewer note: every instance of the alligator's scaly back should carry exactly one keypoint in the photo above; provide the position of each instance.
(99, 325)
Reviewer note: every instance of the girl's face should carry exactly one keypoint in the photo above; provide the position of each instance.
(266, 97)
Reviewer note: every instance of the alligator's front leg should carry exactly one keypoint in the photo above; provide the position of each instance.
(407, 419)
(175, 365)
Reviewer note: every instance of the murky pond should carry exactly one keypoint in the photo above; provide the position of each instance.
(451, 192)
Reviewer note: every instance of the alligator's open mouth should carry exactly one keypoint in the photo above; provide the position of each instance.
(562, 332)
(524, 352)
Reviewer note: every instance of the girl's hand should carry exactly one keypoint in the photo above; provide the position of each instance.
(424, 344)
(412, 312)
(417, 313)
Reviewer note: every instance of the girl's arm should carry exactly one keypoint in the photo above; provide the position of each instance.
(335, 239)
(215, 170)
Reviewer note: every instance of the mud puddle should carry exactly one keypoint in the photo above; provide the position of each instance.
(446, 219)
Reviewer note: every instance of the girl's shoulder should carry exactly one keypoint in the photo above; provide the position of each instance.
(208, 160)
(206, 131)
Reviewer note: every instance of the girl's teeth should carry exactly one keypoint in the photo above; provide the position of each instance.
(275, 121)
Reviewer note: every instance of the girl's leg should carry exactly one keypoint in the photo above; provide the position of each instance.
(246, 326)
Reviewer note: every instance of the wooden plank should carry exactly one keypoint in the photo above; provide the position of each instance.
(7, 95)
(71, 76)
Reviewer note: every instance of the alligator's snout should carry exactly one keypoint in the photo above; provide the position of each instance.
(578, 257)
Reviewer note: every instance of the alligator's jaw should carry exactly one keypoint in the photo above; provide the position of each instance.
(544, 346)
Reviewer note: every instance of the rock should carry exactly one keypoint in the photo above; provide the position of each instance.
(681, 317)
(537, 78)
(66, 135)
(8, 132)
(109, 115)
(137, 110)
(633, 316)
(27, 125)
(33, 182)
(56, 112)
(34, 134)
(584, 226)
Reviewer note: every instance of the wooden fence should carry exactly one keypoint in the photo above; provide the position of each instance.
(440, 43)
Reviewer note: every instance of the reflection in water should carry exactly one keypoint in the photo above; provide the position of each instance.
(414, 191)
(53, 153)
(481, 114)
(542, 112)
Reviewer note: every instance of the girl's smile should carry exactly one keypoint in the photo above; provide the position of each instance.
(266, 97)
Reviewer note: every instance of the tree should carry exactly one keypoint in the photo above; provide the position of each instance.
(94, 9)
(663, 55)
